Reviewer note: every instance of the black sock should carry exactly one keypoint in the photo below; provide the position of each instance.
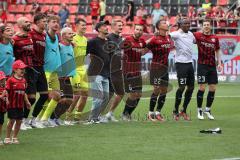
(187, 99)
(53, 116)
(39, 105)
(61, 109)
(134, 107)
(153, 101)
(161, 101)
(129, 106)
(200, 98)
(26, 111)
(178, 99)
(210, 98)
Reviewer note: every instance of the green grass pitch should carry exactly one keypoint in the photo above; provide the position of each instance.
(140, 140)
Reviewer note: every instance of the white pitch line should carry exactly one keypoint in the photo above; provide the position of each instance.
(228, 159)
(195, 97)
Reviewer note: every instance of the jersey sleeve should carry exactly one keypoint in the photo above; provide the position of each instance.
(217, 44)
(150, 43)
(8, 84)
(174, 35)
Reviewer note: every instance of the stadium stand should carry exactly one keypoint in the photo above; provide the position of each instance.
(114, 8)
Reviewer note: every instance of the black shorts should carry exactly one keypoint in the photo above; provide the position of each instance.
(2, 118)
(133, 83)
(159, 77)
(116, 83)
(207, 74)
(185, 74)
(15, 113)
(95, 17)
(36, 80)
(66, 87)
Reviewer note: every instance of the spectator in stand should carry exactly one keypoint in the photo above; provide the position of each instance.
(21, 1)
(102, 9)
(143, 22)
(192, 14)
(95, 7)
(3, 16)
(3, 4)
(36, 7)
(220, 16)
(141, 11)
(130, 11)
(237, 17)
(50, 11)
(206, 6)
(157, 13)
(68, 24)
(63, 14)
(232, 22)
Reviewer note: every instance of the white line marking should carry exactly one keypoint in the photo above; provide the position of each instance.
(195, 97)
(228, 159)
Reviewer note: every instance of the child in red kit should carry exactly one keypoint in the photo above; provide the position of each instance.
(16, 86)
(3, 102)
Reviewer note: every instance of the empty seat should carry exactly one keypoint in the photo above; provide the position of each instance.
(155, 1)
(110, 10)
(74, 1)
(147, 2)
(118, 10)
(83, 2)
(110, 2)
(174, 2)
(164, 2)
(119, 2)
(89, 19)
(222, 2)
(89, 29)
(126, 29)
(183, 2)
(73, 9)
(174, 10)
(137, 2)
(29, 16)
(56, 8)
(11, 18)
(184, 10)
(193, 2)
(82, 9)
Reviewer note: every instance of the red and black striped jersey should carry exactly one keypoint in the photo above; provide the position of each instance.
(207, 47)
(23, 49)
(133, 49)
(160, 47)
(39, 44)
(3, 104)
(16, 92)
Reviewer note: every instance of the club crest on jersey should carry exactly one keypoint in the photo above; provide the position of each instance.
(213, 39)
(141, 45)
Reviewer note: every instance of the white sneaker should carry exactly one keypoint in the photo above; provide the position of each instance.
(52, 122)
(209, 115)
(1, 143)
(26, 123)
(200, 114)
(68, 123)
(92, 122)
(103, 119)
(36, 124)
(111, 117)
(59, 122)
(22, 127)
(126, 118)
(46, 124)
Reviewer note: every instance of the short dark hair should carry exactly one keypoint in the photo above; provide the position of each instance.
(38, 17)
(206, 20)
(78, 20)
(158, 23)
(53, 17)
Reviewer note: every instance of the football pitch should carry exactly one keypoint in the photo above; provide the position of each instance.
(140, 140)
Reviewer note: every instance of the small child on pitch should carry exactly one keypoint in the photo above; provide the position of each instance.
(16, 86)
(3, 101)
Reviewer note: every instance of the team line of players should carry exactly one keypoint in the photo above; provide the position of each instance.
(38, 60)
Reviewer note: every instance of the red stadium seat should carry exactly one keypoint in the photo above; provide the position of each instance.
(89, 29)
(126, 29)
(12, 8)
(11, 18)
(222, 2)
(18, 16)
(172, 20)
(149, 21)
(89, 19)
(109, 18)
(57, 2)
(41, 1)
(56, 8)
(48, 1)
(28, 8)
(74, 2)
(72, 18)
(45, 8)
(73, 9)
(29, 16)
